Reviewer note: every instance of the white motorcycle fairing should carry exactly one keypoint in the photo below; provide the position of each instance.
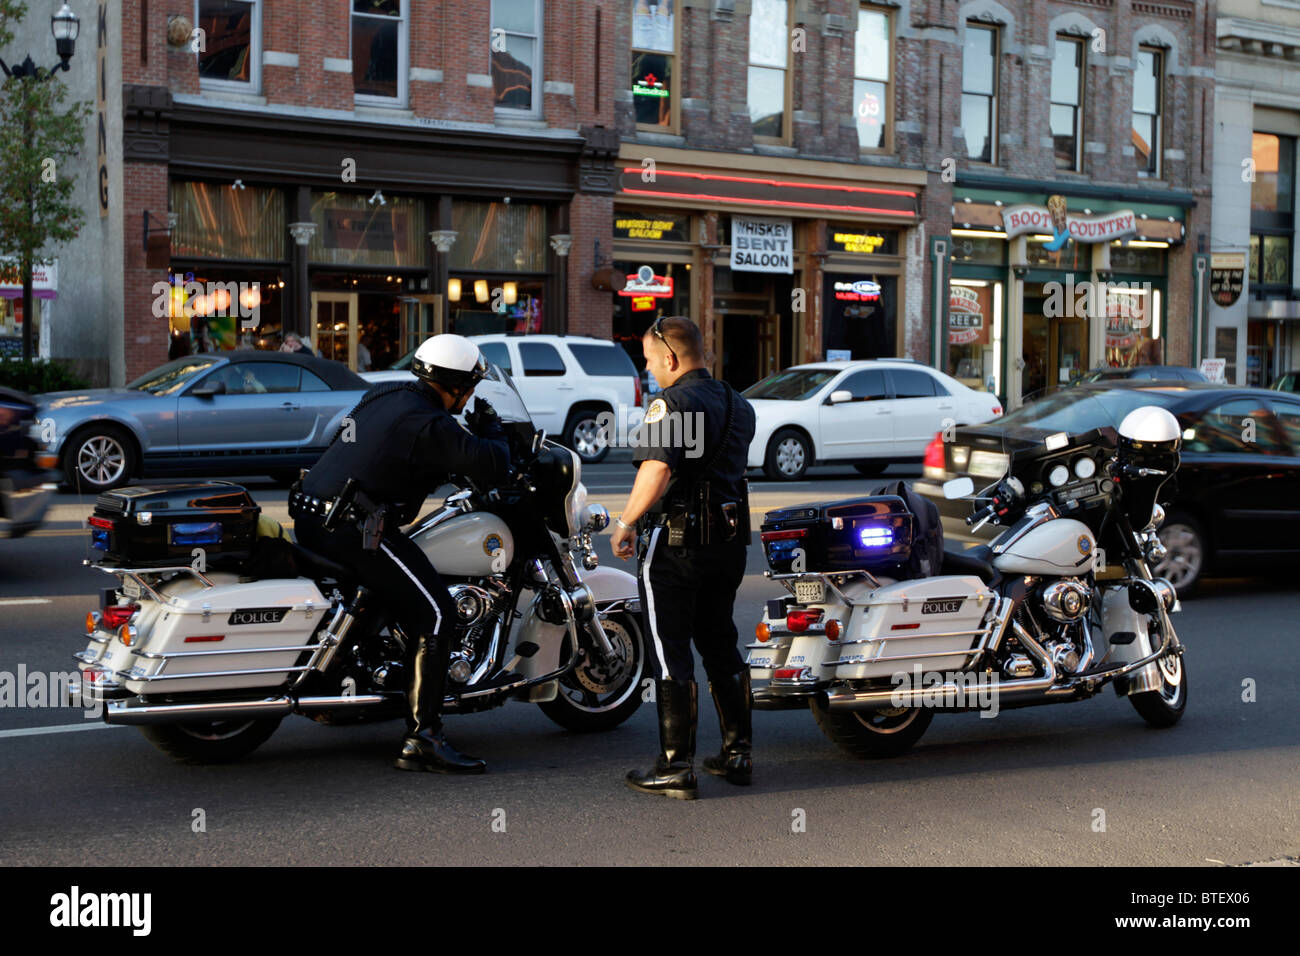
(610, 586)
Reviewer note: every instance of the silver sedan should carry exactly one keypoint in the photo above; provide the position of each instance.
(226, 413)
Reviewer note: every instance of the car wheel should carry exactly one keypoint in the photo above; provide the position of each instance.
(584, 435)
(99, 459)
(1186, 552)
(789, 454)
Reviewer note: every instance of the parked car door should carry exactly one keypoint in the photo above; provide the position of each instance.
(261, 408)
(862, 428)
(1234, 461)
(921, 406)
(546, 384)
(1287, 411)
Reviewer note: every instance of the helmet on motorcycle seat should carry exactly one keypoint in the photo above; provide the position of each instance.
(451, 361)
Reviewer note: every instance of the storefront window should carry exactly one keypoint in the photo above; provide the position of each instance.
(220, 308)
(221, 221)
(1132, 332)
(666, 291)
(497, 237)
(975, 334)
(654, 63)
(860, 315)
(1127, 259)
(479, 306)
(1072, 256)
(355, 229)
(979, 250)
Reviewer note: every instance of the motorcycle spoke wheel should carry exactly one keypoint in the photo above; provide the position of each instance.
(596, 695)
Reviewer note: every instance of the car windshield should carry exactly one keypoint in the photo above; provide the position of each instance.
(168, 378)
(792, 385)
(1076, 411)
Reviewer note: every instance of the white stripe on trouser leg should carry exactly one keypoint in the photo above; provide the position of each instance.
(437, 615)
(650, 601)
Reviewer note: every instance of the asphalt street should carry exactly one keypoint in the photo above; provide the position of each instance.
(1086, 783)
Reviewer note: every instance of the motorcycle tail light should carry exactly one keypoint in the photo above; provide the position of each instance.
(106, 524)
(115, 615)
(798, 621)
(832, 630)
(762, 632)
(933, 465)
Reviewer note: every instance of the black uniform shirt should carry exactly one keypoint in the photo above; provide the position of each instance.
(683, 427)
(405, 446)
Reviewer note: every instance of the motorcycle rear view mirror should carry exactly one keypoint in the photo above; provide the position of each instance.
(958, 488)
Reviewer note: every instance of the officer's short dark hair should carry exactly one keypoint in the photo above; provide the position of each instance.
(683, 337)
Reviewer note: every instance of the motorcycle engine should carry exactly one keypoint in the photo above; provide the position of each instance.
(478, 610)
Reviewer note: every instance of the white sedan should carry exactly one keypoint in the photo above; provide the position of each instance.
(871, 413)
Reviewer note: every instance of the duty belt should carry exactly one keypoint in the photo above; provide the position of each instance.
(301, 503)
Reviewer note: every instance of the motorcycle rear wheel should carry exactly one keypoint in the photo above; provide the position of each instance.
(207, 742)
(873, 734)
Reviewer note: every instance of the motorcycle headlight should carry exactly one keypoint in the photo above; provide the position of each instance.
(595, 518)
(577, 509)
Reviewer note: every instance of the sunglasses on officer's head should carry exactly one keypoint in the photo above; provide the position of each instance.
(658, 332)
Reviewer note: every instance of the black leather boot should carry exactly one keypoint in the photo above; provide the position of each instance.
(425, 747)
(673, 774)
(731, 697)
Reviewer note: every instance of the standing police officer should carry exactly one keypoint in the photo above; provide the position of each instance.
(691, 506)
(407, 445)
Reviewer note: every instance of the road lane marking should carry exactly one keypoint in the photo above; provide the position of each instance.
(9, 602)
(58, 729)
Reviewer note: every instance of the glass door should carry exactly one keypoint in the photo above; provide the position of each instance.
(334, 332)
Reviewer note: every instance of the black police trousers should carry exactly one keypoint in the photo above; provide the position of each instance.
(687, 595)
(397, 573)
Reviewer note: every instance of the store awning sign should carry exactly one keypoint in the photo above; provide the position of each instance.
(861, 290)
(965, 317)
(45, 279)
(1227, 274)
(762, 245)
(1055, 220)
(644, 282)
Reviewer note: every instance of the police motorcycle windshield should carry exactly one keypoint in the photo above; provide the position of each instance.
(499, 390)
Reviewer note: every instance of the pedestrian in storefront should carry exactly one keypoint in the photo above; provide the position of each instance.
(293, 343)
(689, 511)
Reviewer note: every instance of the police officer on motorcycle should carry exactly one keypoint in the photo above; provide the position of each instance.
(404, 444)
(690, 506)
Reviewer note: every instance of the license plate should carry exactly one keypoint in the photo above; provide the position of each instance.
(130, 588)
(988, 464)
(810, 592)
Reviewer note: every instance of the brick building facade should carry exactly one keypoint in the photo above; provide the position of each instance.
(374, 176)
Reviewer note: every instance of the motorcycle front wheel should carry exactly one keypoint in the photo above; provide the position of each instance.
(211, 741)
(1164, 707)
(595, 696)
(873, 733)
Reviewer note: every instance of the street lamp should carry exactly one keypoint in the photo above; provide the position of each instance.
(64, 25)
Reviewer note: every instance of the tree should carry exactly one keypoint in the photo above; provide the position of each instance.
(37, 136)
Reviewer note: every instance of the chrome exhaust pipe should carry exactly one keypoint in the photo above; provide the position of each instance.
(134, 713)
(845, 699)
(314, 705)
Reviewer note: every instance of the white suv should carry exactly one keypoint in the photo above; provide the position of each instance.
(870, 413)
(566, 382)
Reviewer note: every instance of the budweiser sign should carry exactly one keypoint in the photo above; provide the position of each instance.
(1056, 221)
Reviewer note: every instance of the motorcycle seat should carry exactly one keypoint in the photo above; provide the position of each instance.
(976, 561)
(316, 566)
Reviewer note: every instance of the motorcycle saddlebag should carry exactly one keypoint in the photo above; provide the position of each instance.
(162, 526)
(873, 534)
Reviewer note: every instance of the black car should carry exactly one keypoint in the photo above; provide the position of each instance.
(1142, 373)
(1237, 492)
(26, 483)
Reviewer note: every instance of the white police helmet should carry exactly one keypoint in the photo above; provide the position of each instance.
(451, 361)
(1151, 427)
